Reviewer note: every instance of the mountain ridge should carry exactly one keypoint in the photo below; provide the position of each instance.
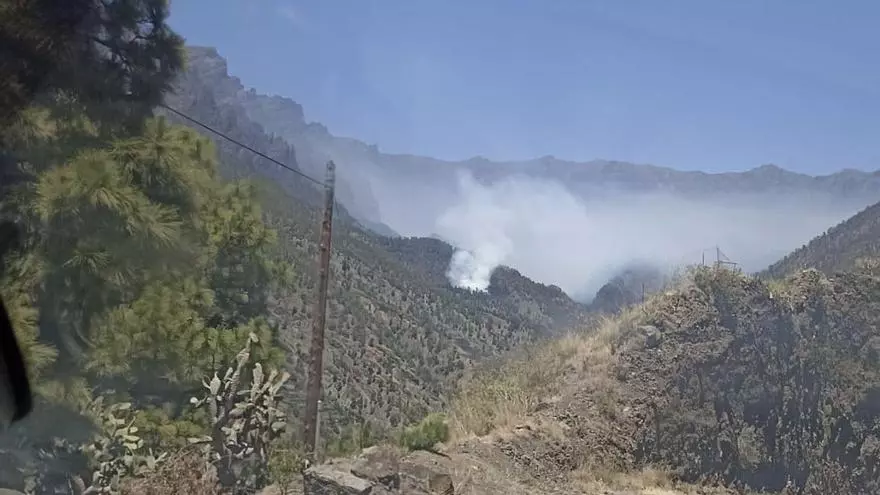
(597, 404)
(363, 167)
(399, 334)
(839, 248)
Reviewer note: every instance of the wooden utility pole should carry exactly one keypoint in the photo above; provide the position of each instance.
(316, 350)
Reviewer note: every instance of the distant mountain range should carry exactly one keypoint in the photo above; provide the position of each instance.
(618, 214)
(369, 173)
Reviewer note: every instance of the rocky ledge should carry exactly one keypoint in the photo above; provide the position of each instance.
(382, 470)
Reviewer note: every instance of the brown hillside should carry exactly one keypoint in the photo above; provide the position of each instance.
(720, 381)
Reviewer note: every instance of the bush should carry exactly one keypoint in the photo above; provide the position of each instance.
(425, 435)
(188, 472)
(286, 462)
(351, 439)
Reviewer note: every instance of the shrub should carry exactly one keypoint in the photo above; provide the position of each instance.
(426, 434)
(286, 461)
(187, 472)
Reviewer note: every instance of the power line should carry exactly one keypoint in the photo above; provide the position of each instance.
(239, 143)
(311, 422)
(313, 385)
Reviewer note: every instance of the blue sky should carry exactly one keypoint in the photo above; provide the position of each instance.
(714, 85)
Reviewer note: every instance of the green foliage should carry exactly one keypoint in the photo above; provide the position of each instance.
(114, 58)
(351, 439)
(286, 462)
(163, 334)
(102, 237)
(244, 273)
(166, 432)
(137, 262)
(139, 245)
(245, 418)
(18, 301)
(117, 450)
(426, 434)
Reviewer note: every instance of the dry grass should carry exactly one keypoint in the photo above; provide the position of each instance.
(499, 398)
(649, 481)
(503, 396)
(596, 479)
(185, 473)
(478, 476)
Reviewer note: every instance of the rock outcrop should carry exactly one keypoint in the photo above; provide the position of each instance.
(332, 480)
(382, 471)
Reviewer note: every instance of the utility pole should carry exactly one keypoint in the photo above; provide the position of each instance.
(722, 260)
(316, 350)
(319, 451)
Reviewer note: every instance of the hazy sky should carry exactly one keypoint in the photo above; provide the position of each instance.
(692, 84)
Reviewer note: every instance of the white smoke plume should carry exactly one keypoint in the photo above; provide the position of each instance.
(580, 241)
(486, 244)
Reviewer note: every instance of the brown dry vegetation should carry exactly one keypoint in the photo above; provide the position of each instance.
(187, 472)
(723, 380)
(524, 411)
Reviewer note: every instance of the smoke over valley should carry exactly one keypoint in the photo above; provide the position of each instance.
(541, 228)
(571, 224)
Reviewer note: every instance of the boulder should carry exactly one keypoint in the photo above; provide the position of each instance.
(328, 479)
(424, 473)
(652, 336)
(382, 470)
(379, 464)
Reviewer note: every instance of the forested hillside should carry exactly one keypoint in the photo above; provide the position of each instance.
(160, 279)
(150, 256)
(399, 334)
(839, 248)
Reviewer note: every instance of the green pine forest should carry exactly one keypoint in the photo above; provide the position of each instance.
(161, 287)
(132, 271)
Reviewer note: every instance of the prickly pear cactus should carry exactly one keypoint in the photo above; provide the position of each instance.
(245, 418)
(116, 450)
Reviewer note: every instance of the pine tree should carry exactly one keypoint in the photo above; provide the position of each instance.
(113, 58)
